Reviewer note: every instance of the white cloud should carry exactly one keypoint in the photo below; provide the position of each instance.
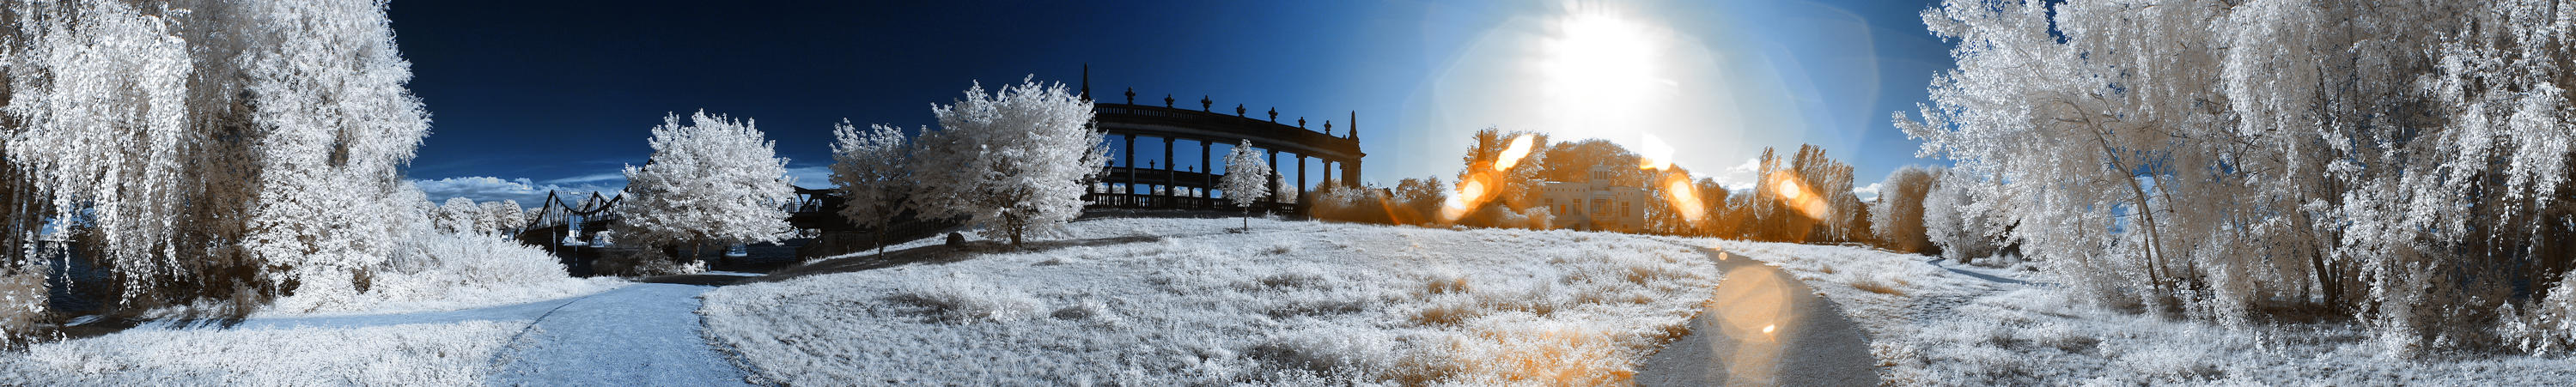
(488, 189)
(811, 177)
(1867, 193)
(619, 176)
(531, 193)
(1740, 177)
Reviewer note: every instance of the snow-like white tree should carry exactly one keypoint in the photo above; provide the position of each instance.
(1286, 193)
(1955, 221)
(869, 166)
(1831, 182)
(458, 216)
(2407, 162)
(1012, 162)
(328, 90)
(1247, 178)
(712, 180)
(226, 150)
(99, 92)
(1898, 216)
(503, 217)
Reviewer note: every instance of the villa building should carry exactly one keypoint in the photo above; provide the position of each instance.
(1603, 203)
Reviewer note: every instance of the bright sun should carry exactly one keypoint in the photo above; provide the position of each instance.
(1597, 70)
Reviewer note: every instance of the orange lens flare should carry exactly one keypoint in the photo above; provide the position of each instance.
(1473, 189)
(1512, 155)
(1684, 198)
(1751, 306)
(1796, 195)
(1470, 194)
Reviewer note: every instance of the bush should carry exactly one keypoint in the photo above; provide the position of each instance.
(636, 262)
(22, 304)
(1955, 222)
(439, 271)
(960, 300)
(1898, 218)
(1350, 204)
(2549, 327)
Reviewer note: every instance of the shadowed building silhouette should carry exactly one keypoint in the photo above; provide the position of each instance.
(1124, 184)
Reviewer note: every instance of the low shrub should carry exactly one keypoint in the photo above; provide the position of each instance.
(22, 305)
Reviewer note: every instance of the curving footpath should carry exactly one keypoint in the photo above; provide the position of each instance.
(1763, 328)
(644, 334)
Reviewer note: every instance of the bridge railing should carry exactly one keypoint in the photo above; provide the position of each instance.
(1152, 201)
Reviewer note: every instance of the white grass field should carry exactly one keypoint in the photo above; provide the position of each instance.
(1181, 301)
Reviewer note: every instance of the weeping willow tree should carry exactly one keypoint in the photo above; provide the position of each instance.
(206, 152)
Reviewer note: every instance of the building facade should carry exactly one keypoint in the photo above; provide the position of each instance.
(1602, 204)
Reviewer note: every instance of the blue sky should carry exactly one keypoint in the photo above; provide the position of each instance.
(530, 97)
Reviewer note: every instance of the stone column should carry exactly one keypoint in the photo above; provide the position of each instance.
(1206, 170)
(1168, 167)
(1127, 195)
(1301, 176)
(1328, 168)
(1351, 173)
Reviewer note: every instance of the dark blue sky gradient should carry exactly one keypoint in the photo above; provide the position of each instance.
(562, 93)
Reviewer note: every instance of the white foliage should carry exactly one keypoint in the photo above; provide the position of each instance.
(869, 166)
(714, 180)
(2402, 161)
(503, 217)
(329, 92)
(241, 146)
(451, 272)
(1287, 192)
(1246, 177)
(1955, 221)
(457, 216)
(1898, 216)
(1012, 162)
(100, 92)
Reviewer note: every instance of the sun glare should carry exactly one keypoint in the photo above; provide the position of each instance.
(1654, 154)
(1597, 72)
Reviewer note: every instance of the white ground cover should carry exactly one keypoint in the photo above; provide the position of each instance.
(439, 319)
(444, 354)
(452, 272)
(1930, 325)
(1180, 301)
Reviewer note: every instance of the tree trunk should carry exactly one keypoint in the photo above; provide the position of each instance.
(1015, 224)
(697, 248)
(2155, 274)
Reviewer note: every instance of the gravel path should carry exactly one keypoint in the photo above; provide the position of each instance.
(1761, 328)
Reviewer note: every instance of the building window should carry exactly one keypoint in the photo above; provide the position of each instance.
(1599, 205)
